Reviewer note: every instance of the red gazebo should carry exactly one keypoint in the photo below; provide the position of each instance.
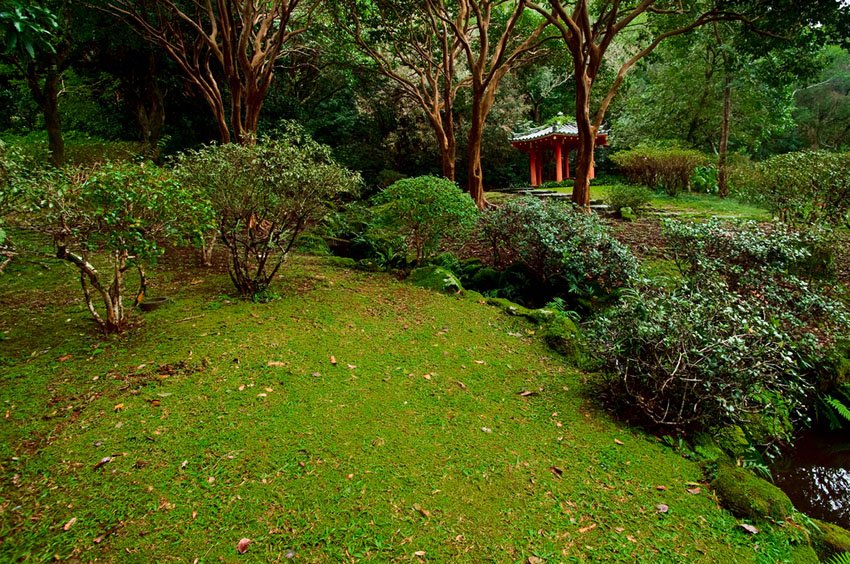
(551, 142)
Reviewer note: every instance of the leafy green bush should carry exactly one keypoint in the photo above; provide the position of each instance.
(669, 169)
(738, 342)
(563, 248)
(705, 179)
(426, 211)
(12, 189)
(124, 210)
(801, 188)
(624, 196)
(264, 196)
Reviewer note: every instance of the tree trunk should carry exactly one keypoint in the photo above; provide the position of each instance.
(52, 119)
(586, 137)
(475, 181)
(150, 107)
(722, 169)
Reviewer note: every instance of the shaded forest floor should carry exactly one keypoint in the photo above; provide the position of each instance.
(355, 417)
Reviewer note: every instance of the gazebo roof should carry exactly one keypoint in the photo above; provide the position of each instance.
(544, 131)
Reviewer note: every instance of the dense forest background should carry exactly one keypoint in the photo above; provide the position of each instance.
(782, 94)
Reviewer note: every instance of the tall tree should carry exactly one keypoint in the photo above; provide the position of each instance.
(590, 28)
(226, 49)
(40, 49)
(497, 36)
(420, 53)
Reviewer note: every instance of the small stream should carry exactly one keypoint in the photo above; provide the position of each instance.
(816, 476)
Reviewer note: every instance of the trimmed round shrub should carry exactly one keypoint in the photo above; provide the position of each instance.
(624, 196)
(426, 211)
(565, 249)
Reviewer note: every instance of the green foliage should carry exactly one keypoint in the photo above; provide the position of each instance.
(120, 207)
(264, 196)
(840, 558)
(426, 211)
(670, 169)
(705, 179)
(624, 196)
(803, 188)
(27, 29)
(436, 278)
(564, 249)
(737, 342)
(13, 189)
(124, 209)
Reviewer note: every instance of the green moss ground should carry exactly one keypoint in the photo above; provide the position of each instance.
(416, 440)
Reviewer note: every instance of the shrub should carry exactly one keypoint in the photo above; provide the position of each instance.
(802, 188)
(426, 211)
(633, 197)
(124, 210)
(13, 191)
(563, 248)
(264, 196)
(667, 169)
(738, 342)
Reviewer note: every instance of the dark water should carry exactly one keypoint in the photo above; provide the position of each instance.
(816, 476)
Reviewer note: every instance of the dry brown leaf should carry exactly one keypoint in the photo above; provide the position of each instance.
(242, 546)
(556, 471)
(619, 442)
(350, 476)
(588, 528)
(662, 508)
(275, 363)
(211, 479)
(535, 560)
(317, 374)
(419, 553)
(631, 538)
(749, 528)
(460, 385)
(424, 512)
(479, 362)
(426, 376)
(65, 357)
(333, 360)
(526, 393)
(351, 366)
(661, 488)
(102, 461)
(69, 524)
(242, 387)
(194, 514)
(155, 403)
(118, 407)
(694, 491)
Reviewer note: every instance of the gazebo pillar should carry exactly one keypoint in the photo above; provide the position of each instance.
(567, 163)
(559, 165)
(540, 157)
(532, 157)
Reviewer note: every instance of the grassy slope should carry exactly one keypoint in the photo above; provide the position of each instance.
(329, 461)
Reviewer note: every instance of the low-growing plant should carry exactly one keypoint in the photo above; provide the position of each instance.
(670, 169)
(738, 341)
(565, 249)
(123, 211)
(624, 196)
(426, 211)
(264, 196)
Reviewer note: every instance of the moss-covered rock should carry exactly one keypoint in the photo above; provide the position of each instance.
(312, 244)
(436, 278)
(749, 496)
(804, 554)
(563, 336)
(732, 441)
(510, 307)
(830, 539)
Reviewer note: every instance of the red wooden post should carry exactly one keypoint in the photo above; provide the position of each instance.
(532, 157)
(559, 165)
(540, 168)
